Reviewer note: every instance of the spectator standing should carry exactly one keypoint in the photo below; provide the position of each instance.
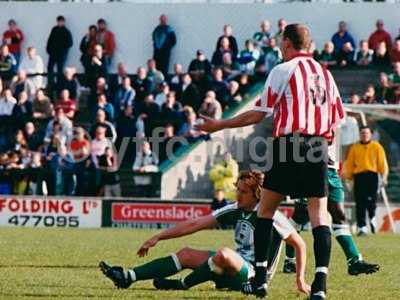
(8, 64)
(141, 85)
(270, 57)
(20, 83)
(154, 75)
(395, 53)
(189, 94)
(224, 47)
(145, 161)
(110, 180)
(224, 176)
(200, 69)
(67, 104)
(364, 54)
(233, 45)
(381, 57)
(58, 45)
(88, 42)
(164, 39)
(366, 161)
(341, 37)
(68, 82)
(219, 200)
(125, 96)
(13, 38)
(262, 37)
(98, 66)
(380, 35)
(106, 39)
(41, 107)
(33, 65)
(279, 35)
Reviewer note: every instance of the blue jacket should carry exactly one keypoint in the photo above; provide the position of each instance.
(339, 41)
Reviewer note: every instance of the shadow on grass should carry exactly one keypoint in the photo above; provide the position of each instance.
(47, 296)
(49, 266)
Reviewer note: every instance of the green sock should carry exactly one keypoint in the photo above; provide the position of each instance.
(290, 252)
(158, 268)
(343, 236)
(199, 275)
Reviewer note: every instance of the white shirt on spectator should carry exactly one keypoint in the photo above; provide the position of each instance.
(33, 66)
(98, 147)
(7, 106)
(148, 160)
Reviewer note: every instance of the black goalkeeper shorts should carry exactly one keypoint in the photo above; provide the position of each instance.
(299, 166)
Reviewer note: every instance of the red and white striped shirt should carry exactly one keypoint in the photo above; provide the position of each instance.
(303, 97)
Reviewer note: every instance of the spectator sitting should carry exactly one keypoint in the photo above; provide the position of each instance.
(219, 200)
(340, 38)
(244, 84)
(117, 79)
(263, 36)
(64, 122)
(58, 45)
(100, 88)
(364, 54)
(218, 85)
(68, 82)
(22, 111)
(104, 105)
(102, 122)
(199, 69)
(220, 51)
(41, 107)
(396, 99)
(107, 41)
(270, 57)
(346, 55)
(67, 104)
(153, 74)
(110, 180)
(279, 35)
(164, 39)
(146, 161)
(395, 54)
(13, 38)
(8, 64)
(369, 95)
(384, 91)
(381, 57)
(142, 85)
(234, 93)
(313, 50)
(149, 113)
(248, 57)
(224, 176)
(230, 68)
(171, 111)
(394, 78)
(7, 103)
(98, 65)
(20, 83)
(189, 93)
(125, 96)
(211, 107)
(161, 96)
(32, 63)
(32, 137)
(175, 81)
(169, 145)
(126, 123)
(232, 44)
(18, 141)
(379, 36)
(188, 129)
(328, 57)
(88, 42)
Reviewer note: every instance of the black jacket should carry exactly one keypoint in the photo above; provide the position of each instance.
(59, 41)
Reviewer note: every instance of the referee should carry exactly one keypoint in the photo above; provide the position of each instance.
(305, 103)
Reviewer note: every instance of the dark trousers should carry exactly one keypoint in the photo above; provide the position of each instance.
(57, 61)
(162, 60)
(365, 195)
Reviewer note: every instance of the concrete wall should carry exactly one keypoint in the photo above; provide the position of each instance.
(197, 25)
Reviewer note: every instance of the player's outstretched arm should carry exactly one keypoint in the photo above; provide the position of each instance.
(247, 118)
(182, 229)
(298, 243)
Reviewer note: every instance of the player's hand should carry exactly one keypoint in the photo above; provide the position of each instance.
(208, 124)
(144, 249)
(303, 287)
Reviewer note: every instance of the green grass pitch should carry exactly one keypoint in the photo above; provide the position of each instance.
(62, 264)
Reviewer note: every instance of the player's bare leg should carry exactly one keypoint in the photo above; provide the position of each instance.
(158, 268)
(318, 212)
(269, 203)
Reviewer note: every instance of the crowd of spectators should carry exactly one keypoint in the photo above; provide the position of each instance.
(59, 129)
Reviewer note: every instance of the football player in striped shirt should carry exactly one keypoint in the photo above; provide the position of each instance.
(226, 267)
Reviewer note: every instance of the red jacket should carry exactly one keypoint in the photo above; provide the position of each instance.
(14, 40)
(107, 41)
(380, 36)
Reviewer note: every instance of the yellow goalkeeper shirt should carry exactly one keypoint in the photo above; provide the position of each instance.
(369, 157)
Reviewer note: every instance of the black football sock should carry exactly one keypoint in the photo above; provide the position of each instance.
(262, 241)
(322, 253)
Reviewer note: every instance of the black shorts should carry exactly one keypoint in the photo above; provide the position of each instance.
(299, 166)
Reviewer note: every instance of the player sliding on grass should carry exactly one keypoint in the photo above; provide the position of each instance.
(355, 262)
(227, 268)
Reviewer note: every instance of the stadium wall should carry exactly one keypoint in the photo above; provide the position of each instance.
(197, 25)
